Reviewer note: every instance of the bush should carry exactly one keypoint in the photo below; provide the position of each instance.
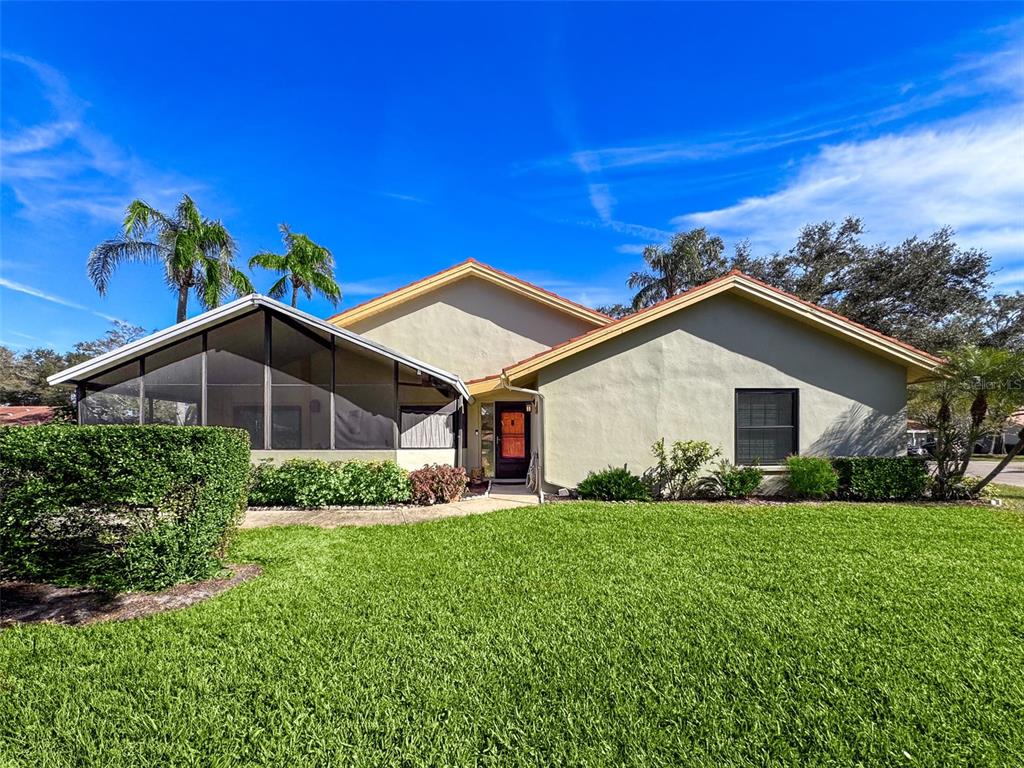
(119, 507)
(880, 478)
(811, 477)
(733, 482)
(437, 484)
(316, 483)
(675, 474)
(613, 484)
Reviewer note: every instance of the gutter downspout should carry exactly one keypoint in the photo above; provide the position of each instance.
(540, 430)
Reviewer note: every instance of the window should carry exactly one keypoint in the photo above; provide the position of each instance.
(766, 425)
(234, 376)
(173, 384)
(112, 397)
(300, 391)
(364, 399)
(428, 426)
(487, 438)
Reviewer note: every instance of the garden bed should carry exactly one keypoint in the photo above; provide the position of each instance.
(33, 603)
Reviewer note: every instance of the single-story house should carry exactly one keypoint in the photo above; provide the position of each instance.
(476, 367)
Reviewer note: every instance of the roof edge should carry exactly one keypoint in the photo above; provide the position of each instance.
(224, 313)
(908, 354)
(469, 267)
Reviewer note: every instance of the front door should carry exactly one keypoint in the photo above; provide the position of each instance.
(512, 424)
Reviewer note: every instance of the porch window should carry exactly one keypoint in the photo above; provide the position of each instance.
(234, 376)
(428, 426)
(113, 397)
(766, 425)
(300, 377)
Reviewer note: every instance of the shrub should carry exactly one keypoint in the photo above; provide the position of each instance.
(119, 507)
(879, 478)
(613, 484)
(437, 484)
(811, 477)
(316, 483)
(732, 482)
(676, 472)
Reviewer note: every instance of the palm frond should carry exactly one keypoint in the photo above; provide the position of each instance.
(240, 282)
(105, 257)
(279, 289)
(139, 216)
(326, 286)
(266, 260)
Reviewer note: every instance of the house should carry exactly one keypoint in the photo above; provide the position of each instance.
(476, 367)
(26, 415)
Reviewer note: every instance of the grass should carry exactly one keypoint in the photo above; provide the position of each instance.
(571, 634)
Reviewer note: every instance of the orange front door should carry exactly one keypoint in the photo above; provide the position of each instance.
(513, 428)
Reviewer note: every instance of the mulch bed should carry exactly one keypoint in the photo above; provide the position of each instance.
(32, 603)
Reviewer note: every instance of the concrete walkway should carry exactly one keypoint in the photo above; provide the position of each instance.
(501, 497)
(1012, 475)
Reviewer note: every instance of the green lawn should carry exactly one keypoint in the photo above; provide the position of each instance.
(573, 634)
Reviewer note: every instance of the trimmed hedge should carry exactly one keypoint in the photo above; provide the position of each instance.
(811, 477)
(119, 507)
(316, 483)
(881, 478)
(613, 484)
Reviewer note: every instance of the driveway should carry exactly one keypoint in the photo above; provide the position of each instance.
(1012, 475)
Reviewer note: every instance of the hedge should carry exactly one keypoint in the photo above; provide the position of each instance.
(613, 484)
(316, 483)
(881, 478)
(119, 507)
(811, 477)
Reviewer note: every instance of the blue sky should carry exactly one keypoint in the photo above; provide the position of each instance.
(552, 141)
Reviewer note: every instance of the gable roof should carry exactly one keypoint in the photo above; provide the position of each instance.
(918, 363)
(468, 268)
(229, 311)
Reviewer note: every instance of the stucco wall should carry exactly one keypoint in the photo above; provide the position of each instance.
(676, 378)
(472, 327)
(414, 458)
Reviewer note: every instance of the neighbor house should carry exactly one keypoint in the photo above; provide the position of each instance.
(476, 367)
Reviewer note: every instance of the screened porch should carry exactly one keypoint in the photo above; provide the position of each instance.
(294, 384)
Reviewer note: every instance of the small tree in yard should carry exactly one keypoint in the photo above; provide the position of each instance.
(677, 469)
(974, 392)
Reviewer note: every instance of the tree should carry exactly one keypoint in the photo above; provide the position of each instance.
(196, 253)
(616, 311)
(929, 293)
(690, 259)
(1004, 325)
(972, 395)
(23, 376)
(304, 266)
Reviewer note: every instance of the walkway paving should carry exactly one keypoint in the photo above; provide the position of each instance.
(501, 497)
(1012, 475)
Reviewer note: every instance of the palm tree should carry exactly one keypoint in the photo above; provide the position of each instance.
(304, 266)
(972, 395)
(691, 258)
(196, 253)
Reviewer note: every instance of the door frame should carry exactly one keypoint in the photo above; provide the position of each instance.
(512, 468)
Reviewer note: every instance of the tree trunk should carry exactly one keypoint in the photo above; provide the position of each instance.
(182, 303)
(295, 292)
(1001, 465)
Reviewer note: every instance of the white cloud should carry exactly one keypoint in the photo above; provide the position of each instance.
(631, 248)
(28, 290)
(602, 201)
(968, 174)
(63, 167)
